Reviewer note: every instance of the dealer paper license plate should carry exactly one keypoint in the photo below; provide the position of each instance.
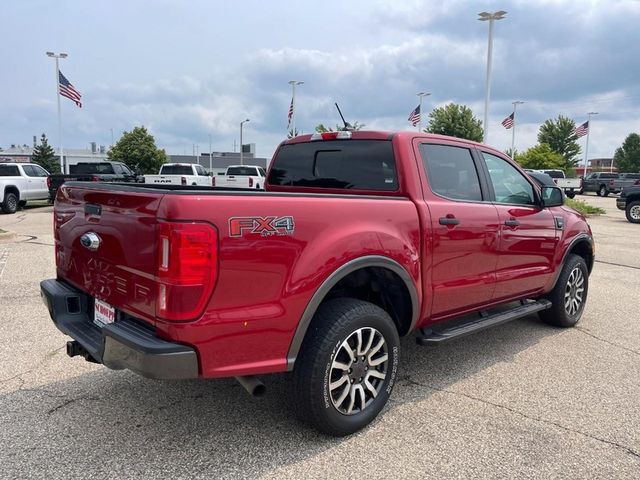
(103, 313)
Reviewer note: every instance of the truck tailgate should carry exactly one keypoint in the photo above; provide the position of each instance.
(121, 270)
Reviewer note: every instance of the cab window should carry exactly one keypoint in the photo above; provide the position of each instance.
(451, 172)
(509, 185)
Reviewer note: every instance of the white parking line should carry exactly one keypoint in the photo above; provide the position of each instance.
(4, 255)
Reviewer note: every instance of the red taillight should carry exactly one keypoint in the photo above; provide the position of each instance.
(183, 180)
(48, 182)
(250, 182)
(637, 182)
(94, 178)
(213, 181)
(187, 269)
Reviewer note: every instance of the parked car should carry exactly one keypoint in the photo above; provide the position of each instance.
(180, 174)
(21, 182)
(599, 182)
(241, 176)
(629, 201)
(360, 238)
(570, 186)
(91, 172)
(623, 180)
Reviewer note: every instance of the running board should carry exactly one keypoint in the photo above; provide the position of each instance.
(433, 337)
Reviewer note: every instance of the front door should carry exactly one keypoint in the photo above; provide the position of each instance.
(528, 235)
(462, 254)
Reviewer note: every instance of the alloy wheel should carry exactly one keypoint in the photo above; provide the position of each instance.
(574, 292)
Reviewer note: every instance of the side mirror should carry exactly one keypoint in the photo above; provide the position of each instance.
(552, 197)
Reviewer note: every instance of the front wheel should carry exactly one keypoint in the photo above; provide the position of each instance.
(569, 295)
(632, 211)
(347, 366)
(571, 194)
(603, 192)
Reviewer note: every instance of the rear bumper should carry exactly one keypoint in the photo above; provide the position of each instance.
(126, 343)
(621, 203)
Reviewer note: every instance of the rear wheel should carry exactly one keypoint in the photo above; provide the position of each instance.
(571, 194)
(347, 366)
(632, 211)
(10, 204)
(569, 295)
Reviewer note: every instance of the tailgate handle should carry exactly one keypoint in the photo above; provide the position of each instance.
(91, 209)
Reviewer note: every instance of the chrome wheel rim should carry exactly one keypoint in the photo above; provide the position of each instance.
(358, 370)
(574, 292)
(634, 212)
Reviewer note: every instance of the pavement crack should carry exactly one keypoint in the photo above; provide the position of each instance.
(608, 342)
(618, 264)
(624, 448)
(69, 402)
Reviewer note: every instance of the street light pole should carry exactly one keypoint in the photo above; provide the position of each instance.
(586, 147)
(58, 56)
(293, 84)
(421, 94)
(513, 129)
(242, 123)
(210, 156)
(486, 16)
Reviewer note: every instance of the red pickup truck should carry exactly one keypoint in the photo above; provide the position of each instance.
(359, 239)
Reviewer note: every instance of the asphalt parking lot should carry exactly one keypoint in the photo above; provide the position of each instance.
(522, 400)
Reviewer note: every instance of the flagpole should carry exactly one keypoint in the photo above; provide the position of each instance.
(513, 132)
(293, 84)
(420, 95)
(61, 150)
(586, 147)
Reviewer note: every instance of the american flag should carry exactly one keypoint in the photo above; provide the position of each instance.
(68, 90)
(582, 130)
(290, 116)
(414, 116)
(508, 122)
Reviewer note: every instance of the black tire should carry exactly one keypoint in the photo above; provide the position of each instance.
(571, 194)
(564, 291)
(602, 191)
(10, 204)
(336, 323)
(257, 186)
(632, 211)
(581, 191)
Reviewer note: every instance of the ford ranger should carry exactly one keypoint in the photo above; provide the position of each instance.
(359, 239)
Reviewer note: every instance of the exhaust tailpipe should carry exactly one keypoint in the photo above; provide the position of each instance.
(252, 385)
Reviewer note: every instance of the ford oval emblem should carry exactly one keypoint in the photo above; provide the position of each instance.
(91, 241)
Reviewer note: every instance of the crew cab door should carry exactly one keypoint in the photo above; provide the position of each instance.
(528, 235)
(462, 253)
(35, 182)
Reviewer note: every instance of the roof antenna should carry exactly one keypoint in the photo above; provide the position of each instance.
(347, 125)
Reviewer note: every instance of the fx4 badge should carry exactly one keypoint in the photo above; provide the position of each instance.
(264, 226)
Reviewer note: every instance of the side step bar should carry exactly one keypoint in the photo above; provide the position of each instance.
(435, 336)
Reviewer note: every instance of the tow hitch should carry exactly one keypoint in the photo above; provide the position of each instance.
(74, 349)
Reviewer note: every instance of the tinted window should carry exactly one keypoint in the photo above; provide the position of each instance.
(118, 169)
(346, 164)
(176, 170)
(126, 170)
(262, 172)
(554, 173)
(451, 172)
(90, 168)
(9, 171)
(509, 184)
(29, 171)
(608, 175)
(200, 171)
(242, 171)
(39, 171)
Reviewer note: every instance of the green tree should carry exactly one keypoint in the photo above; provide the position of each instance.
(456, 121)
(541, 157)
(320, 128)
(137, 149)
(627, 157)
(44, 155)
(560, 135)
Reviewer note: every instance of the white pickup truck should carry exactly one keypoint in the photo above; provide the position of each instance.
(241, 176)
(180, 174)
(20, 182)
(570, 186)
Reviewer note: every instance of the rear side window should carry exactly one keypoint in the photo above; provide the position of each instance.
(176, 170)
(242, 171)
(200, 171)
(342, 164)
(609, 175)
(451, 172)
(9, 171)
(89, 168)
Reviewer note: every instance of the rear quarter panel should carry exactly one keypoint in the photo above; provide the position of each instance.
(265, 282)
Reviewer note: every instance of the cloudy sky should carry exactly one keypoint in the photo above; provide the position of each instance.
(187, 70)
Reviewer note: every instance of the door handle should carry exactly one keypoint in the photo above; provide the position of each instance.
(449, 220)
(512, 222)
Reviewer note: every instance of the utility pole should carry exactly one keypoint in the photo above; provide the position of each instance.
(491, 17)
(420, 95)
(241, 152)
(111, 136)
(586, 148)
(210, 156)
(58, 56)
(513, 129)
(293, 84)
